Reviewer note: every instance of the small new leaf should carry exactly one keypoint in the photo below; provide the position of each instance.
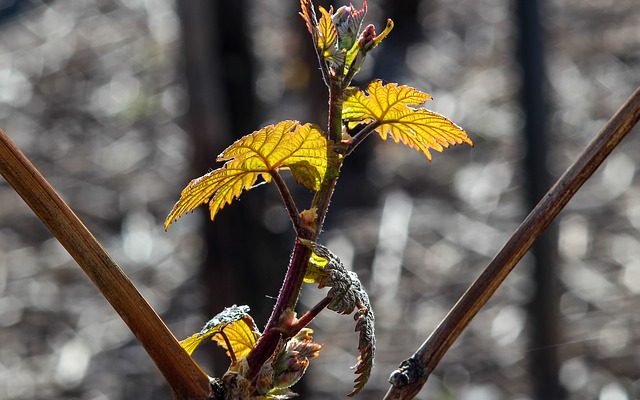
(328, 38)
(347, 295)
(367, 41)
(303, 149)
(232, 327)
(348, 22)
(309, 16)
(392, 108)
(239, 338)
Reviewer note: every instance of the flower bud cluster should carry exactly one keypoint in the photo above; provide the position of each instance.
(348, 21)
(294, 359)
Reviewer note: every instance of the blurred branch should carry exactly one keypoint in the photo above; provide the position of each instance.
(543, 307)
(184, 376)
(414, 372)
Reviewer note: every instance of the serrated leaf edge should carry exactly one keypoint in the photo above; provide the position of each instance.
(343, 284)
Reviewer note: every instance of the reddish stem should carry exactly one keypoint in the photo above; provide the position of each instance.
(287, 199)
(307, 317)
(290, 291)
(232, 353)
(287, 298)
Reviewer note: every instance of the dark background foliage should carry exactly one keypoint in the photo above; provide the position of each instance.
(120, 103)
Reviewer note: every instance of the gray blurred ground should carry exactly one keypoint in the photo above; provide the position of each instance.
(92, 91)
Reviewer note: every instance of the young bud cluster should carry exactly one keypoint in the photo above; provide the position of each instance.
(348, 21)
(294, 359)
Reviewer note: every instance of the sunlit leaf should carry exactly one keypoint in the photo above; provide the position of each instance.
(347, 294)
(351, 55)
(216, 188)
(393, 109)
(303, 149)
(380, 100)
(316, 270)
(328, 37)
(235, 324)
(241, 335)
(308, 15)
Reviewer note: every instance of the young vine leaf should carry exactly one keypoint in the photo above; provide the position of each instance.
(347, 294)
(348, 23)
(233, 329)
(392, 108)
(302, 149)
(240, 338)
(368, 40)
(328, 38)
(309, 16)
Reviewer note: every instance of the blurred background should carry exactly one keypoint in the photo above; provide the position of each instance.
(121, 102)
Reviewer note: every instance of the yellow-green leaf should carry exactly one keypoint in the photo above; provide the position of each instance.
(217, 188)
(303, 149)
(241, 335)
(392, 108)
(316, 269)
(380, 100)
(327, 36)
(351, 55)
(235, 324)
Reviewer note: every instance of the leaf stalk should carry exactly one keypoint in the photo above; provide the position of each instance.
(309, 316)
(287, 199)
(293, 281)
(362, 134)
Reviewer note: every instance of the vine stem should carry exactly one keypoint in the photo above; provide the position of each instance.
(184, 376)
(278, 325)
(414, 371)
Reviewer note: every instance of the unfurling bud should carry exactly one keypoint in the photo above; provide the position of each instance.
(294, 359)
(367, 37)
(309, 219)
(348, 20)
